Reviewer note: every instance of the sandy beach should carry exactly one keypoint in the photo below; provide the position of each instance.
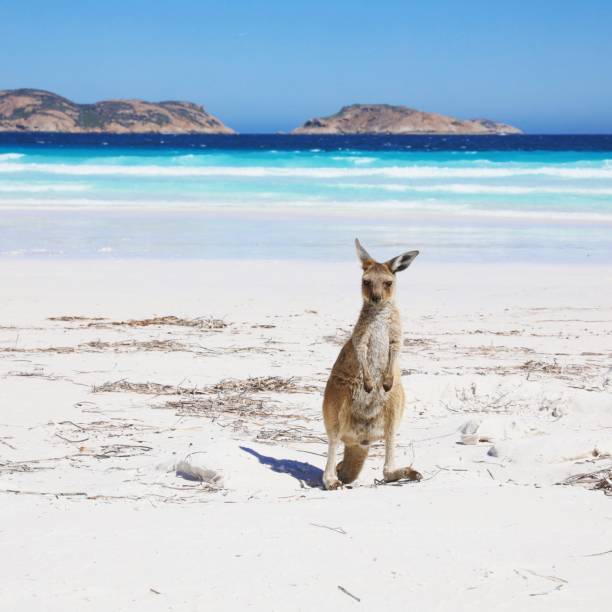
(124, 380)
(201, 203)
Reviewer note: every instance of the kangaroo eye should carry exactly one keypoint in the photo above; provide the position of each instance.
(367, 282)
(388, 284)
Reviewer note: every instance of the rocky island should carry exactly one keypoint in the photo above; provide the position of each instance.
(388, 119)
(36, 110)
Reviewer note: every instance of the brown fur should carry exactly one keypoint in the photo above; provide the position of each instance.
(364, 397)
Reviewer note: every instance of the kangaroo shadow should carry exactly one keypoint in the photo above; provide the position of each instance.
(306, 473)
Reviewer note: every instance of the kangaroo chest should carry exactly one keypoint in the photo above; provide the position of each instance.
(378, 345)
(368, 405)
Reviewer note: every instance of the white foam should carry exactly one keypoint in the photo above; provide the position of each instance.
(423, 208)
(9, 156)
(412, 172)
(61, 187)
(474, 188)
(363, 160)
(355, 160)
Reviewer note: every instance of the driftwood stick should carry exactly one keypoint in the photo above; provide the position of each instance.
(605, 552)
(68, 440)
(73, 424)
(336, 529)
(348, 593)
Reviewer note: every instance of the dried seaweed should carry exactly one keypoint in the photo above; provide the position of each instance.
(75, 318)
(99, 345)
(290, 433)
(418, 342)
(263, 383)
(599, 480)
(202, 323)
(233, 385)
(239, 399)
(469, 400)
(240, 404)
(146, 388)
(137, 345)
(10, 467)
(486, 332)
(541, 367)
(587, 376)
(45, 349)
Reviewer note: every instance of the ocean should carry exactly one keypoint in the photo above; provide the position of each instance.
(543, 199)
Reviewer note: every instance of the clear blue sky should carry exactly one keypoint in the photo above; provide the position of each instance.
(263, 66)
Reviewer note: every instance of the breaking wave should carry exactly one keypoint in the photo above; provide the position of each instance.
(473, 188)
(381, 208)
(407, 172)
(56, 187)
(9, 156)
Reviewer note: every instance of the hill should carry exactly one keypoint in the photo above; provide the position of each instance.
(388, 119)
(36, 110)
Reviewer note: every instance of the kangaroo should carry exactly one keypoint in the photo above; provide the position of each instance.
(364, 397)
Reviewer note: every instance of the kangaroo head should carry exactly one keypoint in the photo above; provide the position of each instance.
(378, 279)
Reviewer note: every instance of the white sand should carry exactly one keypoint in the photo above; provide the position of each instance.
(94, 517)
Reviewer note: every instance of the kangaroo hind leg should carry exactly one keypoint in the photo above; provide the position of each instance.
(352, 462)
(330, 478)
(332, 427)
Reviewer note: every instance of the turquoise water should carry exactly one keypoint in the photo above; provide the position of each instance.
(159, 202)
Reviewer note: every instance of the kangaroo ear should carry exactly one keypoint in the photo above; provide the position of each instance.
(364, 256)
(401, 262)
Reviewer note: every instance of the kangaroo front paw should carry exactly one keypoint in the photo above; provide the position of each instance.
(331, 483)
(388, 383)
(405, 473)
(368, 385)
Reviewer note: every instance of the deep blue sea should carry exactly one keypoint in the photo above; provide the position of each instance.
(475, 198)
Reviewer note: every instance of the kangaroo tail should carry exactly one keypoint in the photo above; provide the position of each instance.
(352, 462)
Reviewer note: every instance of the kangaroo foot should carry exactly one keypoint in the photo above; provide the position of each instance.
(331, 483)
(405, 473)
(344, 479)
(345, 475)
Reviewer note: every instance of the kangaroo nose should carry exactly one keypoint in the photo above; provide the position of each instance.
(376, 298)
